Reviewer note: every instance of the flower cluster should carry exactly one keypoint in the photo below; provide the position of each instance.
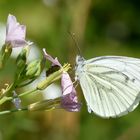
(27, 72)
(69, 98)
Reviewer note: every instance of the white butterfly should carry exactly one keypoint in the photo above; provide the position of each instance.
(110, 84)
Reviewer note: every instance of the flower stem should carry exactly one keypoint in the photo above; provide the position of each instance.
(28, 92)
(13, 110)
(5, 98)
(45, 105)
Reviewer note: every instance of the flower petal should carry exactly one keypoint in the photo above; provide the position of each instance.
(15, 33)
(70, 102)
(50, 58)
(66, 83)
(69, 99)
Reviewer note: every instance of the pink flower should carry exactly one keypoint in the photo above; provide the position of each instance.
(15, 33)
(69, 99)
(51, 59)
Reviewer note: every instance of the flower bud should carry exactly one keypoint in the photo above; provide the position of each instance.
(16, 100)
(21, 64)
(49, 80)
(22, 57)
(34, 68)
(5, 53)
(45, 104)
(52, 77)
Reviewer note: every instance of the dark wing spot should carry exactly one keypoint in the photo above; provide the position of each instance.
(126, 79)
(133, 80)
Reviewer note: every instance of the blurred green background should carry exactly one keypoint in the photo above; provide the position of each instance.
(109, 27)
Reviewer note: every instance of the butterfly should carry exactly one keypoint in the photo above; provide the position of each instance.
(110, 84)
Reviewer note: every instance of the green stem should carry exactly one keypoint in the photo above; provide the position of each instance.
(25, 84)
(5, 98)
(45, 105)
(13, 110)
(28, 92)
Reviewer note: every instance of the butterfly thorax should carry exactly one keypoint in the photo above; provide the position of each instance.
(80, 62)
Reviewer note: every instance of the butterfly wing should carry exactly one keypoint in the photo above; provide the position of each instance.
(110, 84)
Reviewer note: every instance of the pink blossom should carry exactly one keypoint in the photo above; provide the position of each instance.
(69, 98)
(15, 33)
(51, 59)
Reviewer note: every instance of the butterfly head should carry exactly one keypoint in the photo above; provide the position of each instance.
(79, 59)
(79, 66)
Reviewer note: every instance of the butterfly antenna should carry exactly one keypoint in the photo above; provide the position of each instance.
(75, 41)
